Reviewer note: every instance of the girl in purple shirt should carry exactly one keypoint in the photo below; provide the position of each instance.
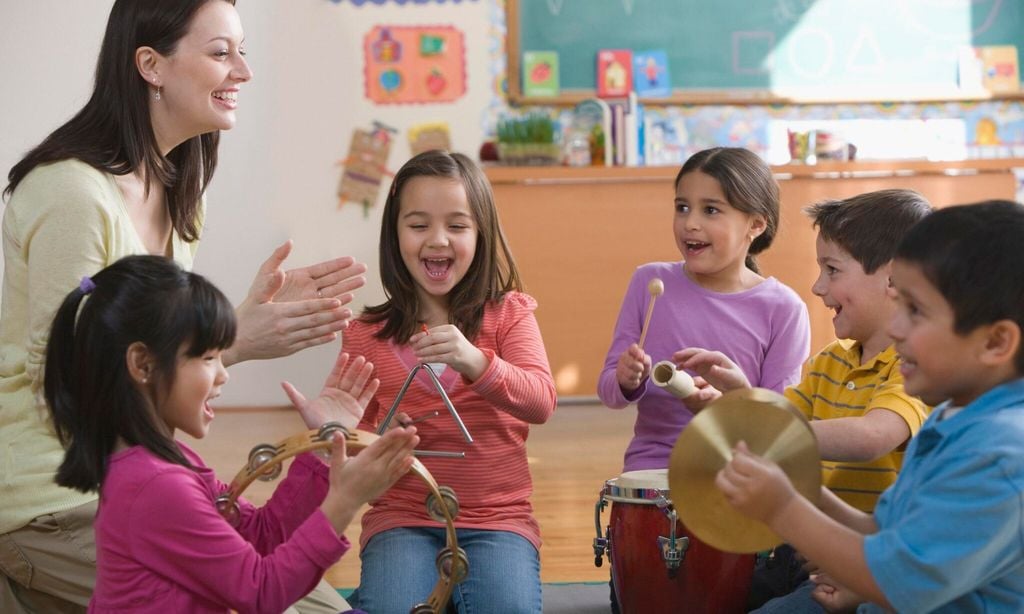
(726, 211)
(134, 356)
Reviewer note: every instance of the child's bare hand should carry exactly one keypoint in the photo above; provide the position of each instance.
(715, 367)
(703, 396)
(633, 367)
(446, 344)
(834, 597)
(754, 486)
(358, 480)
(344, 397)
(374, 470)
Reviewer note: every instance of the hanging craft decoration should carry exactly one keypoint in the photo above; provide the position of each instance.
(414, 64)
(428, 136)
(365, 166)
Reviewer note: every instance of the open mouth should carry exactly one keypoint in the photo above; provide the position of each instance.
(226, 99)
(696, 247)
(437, 268)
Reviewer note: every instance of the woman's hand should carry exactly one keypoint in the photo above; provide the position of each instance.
(715, 367)
(343, 398)
(446, 344)
(284, 312)
(336, 278)
(633, 367)
(756, 487)
(361, 479)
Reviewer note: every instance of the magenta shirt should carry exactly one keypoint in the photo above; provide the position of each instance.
(161, 546)
(765, 330)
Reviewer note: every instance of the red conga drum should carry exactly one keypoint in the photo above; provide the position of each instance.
(657, 564)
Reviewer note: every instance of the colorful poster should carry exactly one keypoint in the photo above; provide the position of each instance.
(414, 64)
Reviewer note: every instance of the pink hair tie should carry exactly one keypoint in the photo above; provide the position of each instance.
(87, 285)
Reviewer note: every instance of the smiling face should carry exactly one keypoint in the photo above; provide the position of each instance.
(937, 363)
(200, 81)
(860, 302)
(197, 381)
(712, 235)
(437, 235)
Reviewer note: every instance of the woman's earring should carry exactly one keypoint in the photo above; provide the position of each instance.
(157, 95)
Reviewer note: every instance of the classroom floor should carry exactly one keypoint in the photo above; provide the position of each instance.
(570, 458)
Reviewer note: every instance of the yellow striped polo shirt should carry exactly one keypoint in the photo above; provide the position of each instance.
(838, 386)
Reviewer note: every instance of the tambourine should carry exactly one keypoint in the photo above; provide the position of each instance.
(265, 464)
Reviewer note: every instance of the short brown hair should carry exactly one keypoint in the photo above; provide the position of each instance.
(869, 226)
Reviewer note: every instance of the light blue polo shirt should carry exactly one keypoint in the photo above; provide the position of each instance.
(951, 529)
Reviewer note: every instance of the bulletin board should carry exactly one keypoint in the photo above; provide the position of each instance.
(722, 51)
(414, 64)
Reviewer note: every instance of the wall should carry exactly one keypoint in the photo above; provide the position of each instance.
(277, 175)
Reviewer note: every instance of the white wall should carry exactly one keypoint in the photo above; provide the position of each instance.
(277, 173)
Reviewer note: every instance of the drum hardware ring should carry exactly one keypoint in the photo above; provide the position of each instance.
(673, 549)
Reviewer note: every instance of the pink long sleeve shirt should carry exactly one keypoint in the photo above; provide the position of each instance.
(163, 547)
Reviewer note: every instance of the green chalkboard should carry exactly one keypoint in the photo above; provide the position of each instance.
(826, 48)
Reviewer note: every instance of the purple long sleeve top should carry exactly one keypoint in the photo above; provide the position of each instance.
(765, 330)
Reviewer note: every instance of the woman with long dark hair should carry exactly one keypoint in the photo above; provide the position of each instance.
(126, 175)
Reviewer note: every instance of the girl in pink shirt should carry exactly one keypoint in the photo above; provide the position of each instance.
(454, 303)
(134, 355)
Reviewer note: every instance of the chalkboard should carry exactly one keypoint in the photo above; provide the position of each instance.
(824, 49)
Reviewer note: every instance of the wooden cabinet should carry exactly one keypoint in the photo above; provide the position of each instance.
(578, 233)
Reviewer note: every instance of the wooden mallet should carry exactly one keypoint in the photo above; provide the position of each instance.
(656, 288)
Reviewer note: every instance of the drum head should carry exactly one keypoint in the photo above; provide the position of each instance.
(642, 486)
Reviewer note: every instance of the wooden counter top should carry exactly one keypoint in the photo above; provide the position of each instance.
(579, 233)
(588, 174)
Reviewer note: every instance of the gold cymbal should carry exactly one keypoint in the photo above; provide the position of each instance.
(772, 428)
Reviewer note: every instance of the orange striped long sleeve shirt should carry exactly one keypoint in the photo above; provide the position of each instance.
(492, 482)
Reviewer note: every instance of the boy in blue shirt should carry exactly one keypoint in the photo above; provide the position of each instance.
(948, 535)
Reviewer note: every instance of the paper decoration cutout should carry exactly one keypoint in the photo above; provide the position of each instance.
(424, 137)
(414, 64)
(365, 165)
(386, 49)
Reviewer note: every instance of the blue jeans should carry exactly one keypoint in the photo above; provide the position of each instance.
(398, 572)
(797, 602)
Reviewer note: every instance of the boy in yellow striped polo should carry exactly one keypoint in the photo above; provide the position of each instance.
(852, 392)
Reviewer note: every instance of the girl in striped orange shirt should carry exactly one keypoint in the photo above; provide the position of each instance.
(445, 266)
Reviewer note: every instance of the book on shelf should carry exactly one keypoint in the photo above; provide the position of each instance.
(665, 139)
(994, 69)
(650, 74)
(627, 130)
(614, 72)
(540, 73)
